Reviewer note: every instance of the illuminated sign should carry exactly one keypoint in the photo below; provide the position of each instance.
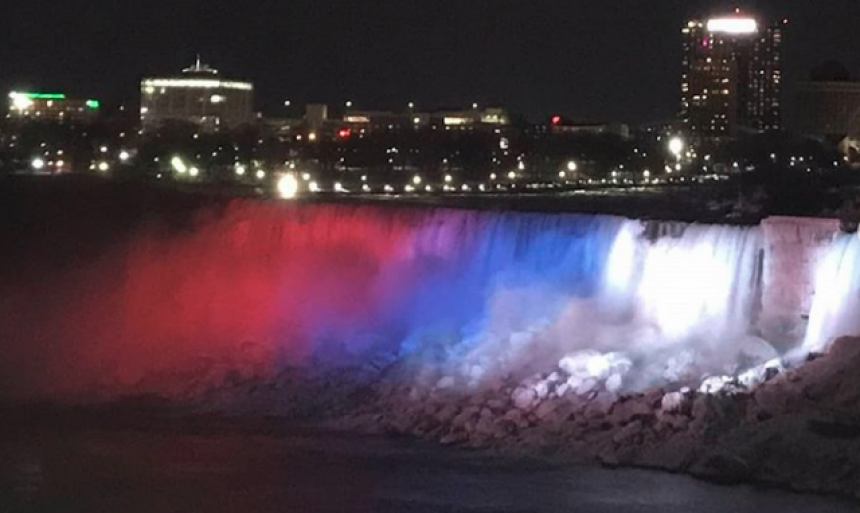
(356, 119)
(194, 83)
(733, 25)
(38, 96)
(456, 121)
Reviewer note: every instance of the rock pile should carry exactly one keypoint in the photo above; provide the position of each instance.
(797, 428)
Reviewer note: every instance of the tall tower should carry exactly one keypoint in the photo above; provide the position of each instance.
(731, 81)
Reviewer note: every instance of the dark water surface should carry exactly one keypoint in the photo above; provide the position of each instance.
(131, 468)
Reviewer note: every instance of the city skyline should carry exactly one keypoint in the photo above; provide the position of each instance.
(573, 58)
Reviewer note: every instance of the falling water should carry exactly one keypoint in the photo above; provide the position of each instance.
(836, 308)
(258, 287)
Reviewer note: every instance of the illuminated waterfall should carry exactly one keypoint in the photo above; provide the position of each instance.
(836, 307)
(257, 287)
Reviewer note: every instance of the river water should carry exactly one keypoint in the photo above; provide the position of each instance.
(129, 468)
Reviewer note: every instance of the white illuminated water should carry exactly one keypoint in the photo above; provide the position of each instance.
(836, 307)
(676, 306)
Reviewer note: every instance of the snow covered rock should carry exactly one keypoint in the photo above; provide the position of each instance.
(524, 398)
(675, 402)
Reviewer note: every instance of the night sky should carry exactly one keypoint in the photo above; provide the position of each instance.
(589, 59)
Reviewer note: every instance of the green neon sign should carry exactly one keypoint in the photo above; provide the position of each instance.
(93, 104)
(43, 96)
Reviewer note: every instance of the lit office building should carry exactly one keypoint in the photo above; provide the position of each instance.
(200, 96)
(732, 78)
(54, 107)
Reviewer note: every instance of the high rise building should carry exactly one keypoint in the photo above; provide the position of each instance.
(200, 95)
(731, 81)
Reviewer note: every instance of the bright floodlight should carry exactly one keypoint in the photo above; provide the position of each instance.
(416, 180)
(240, 170)
(193, 171)
(313, 187)
(288, 186)
(104, 166)
(261, 174)
(21, 101)
(733, 25)
(178, 165)
(676, 146)
(571, 166)
(124, 156)
(38, 163)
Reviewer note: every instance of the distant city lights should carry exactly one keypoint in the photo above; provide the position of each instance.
(288, 186)
(178, 165)
(676, 146)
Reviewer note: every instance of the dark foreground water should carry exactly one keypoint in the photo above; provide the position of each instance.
(196, 467)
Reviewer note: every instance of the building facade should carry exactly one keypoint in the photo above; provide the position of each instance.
(200, 96)
(731, 79)
(827, 109)
(53, 107)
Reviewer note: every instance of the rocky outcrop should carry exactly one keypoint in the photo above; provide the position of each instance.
(798, 428)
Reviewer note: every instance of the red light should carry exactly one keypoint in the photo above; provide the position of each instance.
(556, 120)
(343, 133)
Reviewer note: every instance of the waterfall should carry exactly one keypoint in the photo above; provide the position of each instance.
(256, 287)
(836, 308)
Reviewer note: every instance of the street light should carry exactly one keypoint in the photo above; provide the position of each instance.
(288, 186)
(676, 146)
